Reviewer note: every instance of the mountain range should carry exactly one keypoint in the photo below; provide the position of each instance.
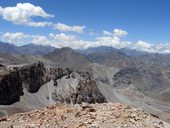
(44, 49)
(25, 49)
(45, 75)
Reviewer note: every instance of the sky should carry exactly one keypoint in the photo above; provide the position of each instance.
(135, 24)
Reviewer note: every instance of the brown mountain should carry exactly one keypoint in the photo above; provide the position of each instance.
(67, 57)
(113, 58)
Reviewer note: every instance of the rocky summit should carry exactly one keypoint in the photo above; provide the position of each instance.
(107, 115)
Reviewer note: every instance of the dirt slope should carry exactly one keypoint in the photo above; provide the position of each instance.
(106, 115)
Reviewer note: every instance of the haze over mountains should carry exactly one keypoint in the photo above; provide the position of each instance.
(25, 49)
(43, 49)
(65, 75)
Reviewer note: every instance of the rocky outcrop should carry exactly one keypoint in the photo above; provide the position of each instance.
(84, 116)
(32, 76)
(69, 86)
(14, 78)
(78, 88)
(10, 87)
(125, 77)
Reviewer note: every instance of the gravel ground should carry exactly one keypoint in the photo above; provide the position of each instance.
(107, 115)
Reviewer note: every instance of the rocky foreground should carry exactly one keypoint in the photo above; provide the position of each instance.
(106, 115)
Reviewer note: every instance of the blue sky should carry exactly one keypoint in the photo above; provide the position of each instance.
(145, 21)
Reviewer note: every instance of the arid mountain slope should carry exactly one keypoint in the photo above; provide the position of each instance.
(67, 57)
(84, 116)
(139, 81)
(114, 58)
(25, 87)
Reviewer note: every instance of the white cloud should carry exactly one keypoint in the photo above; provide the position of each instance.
(67, 28)
(116, 33)
(120, 32)
(107, 33)
(91, 33)
(63, 40)
(162, 47)
(20, 38)
(113, 41)
(153, 48)
(142, 45)
(56, 40)
(22, 13)
(66, 40)
(166, 51)
(13, 37)
(39, 24)
(38, 39)
(62, 37)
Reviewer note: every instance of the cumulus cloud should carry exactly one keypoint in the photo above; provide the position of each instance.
(13, 37)
(120, 32)
(113, 41)
(152, 48)
(62, 37)
(39, 24)
(56, 40)
(116, 33)
(62, 40)
(39, 39)
(23, 13)
(66, 40)
(142, 45)
(161, 47)
(67, 28)
(20, 38)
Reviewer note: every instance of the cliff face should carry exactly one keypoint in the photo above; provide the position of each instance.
(33, 76)
(78, 87)
(10, 87)
(14, 79)
(67, 86)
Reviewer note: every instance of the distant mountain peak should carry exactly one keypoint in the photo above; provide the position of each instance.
(66, 49)
(107, 49)
(25, 49)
